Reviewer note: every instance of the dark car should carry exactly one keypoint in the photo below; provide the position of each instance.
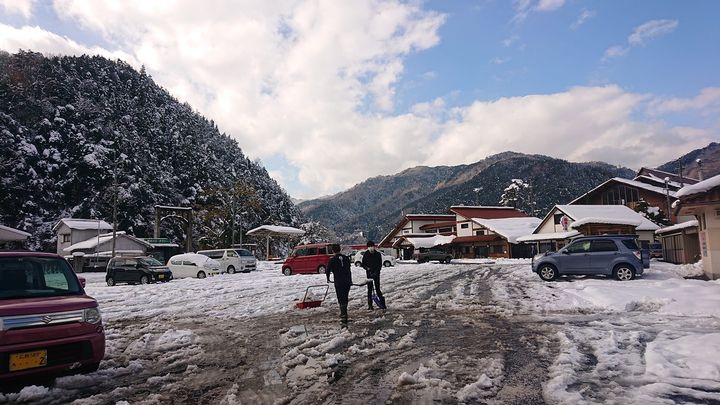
(48, 325)
(616, 255)
(425, 255)
(656, 250)
(136, 270)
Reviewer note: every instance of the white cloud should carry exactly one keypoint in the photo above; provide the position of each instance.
(641, 35)
(37, 39)
(549, 5)
(510, 40)
(523, 8)
(651, 29)
(615, 51)
(21, 7)
(708, 98)
(585, 15)
(499, 61)
(313, 82)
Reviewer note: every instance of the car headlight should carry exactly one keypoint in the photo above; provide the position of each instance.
(92, 315)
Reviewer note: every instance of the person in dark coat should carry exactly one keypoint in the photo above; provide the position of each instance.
(372, 263)
(339, 265)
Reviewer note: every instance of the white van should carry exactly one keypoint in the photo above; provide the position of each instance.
(193, 265)
(232, 260)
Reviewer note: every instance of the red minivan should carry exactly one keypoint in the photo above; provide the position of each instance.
(308, 259)
(48, 325)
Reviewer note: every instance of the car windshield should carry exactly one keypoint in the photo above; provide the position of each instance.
(150, 261)
(30, 277)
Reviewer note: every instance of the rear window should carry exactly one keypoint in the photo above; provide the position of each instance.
(30, 277)
(244, 252)
(150, 261)
(630, 244)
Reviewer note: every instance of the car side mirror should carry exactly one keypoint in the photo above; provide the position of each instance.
(82, 281)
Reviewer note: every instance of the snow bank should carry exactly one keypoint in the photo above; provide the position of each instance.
(695, 356)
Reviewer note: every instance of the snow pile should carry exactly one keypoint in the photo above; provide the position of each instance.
(693, 357)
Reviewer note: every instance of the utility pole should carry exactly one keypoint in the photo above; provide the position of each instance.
(115, 198)
(700, 173)
(681, 174)
(667, 196)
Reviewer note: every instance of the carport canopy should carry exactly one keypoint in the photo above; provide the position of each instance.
(274, 231)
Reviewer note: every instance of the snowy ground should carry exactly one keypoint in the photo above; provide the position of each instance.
(468, 332)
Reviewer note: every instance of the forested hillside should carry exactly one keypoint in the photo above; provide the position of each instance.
(78, 132)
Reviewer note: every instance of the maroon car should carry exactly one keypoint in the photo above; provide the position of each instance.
(48, 325)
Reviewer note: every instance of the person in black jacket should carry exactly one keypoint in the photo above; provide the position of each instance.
(372, 263)
(339, 265)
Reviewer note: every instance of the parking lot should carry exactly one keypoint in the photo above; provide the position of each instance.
(454, 333)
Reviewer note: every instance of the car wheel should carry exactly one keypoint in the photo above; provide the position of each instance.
(201, 274)
(623, 272)
(231, 270)
(386, 263)
(144, 280)
(321, 269)
(110, 281)
(547, 272)
(287, 271)
(448, 259)
(89, 368)
(357, 264)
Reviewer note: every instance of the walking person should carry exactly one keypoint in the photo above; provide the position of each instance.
(372, 263)
(339, 265)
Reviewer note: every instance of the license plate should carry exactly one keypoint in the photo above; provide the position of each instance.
(22, 361)
(161, 276)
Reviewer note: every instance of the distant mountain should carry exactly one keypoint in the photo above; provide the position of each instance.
(72, 127)
(709, 155)
(376, 204)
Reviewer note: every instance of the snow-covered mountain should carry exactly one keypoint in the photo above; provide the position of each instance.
(72, 127)
(376, 204)
(709, 155)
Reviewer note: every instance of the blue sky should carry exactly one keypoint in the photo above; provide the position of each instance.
(330, 93)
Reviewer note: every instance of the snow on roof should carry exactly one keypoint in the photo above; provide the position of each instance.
(701, 187)
(510, 228)
(436, 240)
(99, 240)
(637, 184)
(548, 236)
(83, 224)
(275, 229)
(8, 234)
(605, 213)
(611, 221)
(677, 227)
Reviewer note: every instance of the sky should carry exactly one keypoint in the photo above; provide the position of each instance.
(328, 93)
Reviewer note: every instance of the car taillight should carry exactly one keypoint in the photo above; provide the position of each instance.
(638, 254)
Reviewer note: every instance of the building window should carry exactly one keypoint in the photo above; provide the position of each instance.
(66, 238)
(557, 218)
(444, 230)
(498, 249)
(464, 226)
(480, 232)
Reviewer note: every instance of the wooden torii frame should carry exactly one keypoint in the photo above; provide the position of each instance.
(184, 214)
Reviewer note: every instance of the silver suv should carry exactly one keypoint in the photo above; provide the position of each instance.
(614, 255)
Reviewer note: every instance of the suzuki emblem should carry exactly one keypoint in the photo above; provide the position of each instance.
(46, 319)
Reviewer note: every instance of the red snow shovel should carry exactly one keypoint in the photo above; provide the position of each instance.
(312, 300)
